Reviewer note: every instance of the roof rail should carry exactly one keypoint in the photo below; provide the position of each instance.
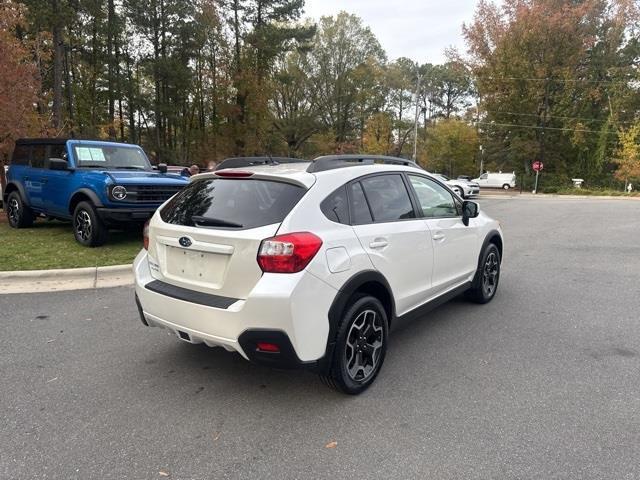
(239, 162)
(330, 162)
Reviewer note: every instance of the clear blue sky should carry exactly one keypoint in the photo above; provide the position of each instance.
(418, 29)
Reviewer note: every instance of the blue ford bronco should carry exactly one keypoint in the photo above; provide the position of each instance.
(95, 184)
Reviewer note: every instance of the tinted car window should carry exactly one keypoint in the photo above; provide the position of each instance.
(232, 203)
(335, 207)
(435, 200)
(58, 151)
(38, 156)
(360, 213)
(388, 198)
(20, 155)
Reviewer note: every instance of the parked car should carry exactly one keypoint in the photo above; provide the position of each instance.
(95, 184)
(497, 180)
(462, 188)
(310, 264)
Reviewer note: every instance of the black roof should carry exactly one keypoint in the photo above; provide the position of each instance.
(39, 141)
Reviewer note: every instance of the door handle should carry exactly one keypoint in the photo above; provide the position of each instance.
(438, 236)
(378, 243)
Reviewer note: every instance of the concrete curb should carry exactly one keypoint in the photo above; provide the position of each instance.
(33, 281)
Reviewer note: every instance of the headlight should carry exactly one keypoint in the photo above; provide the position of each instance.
(119, 192)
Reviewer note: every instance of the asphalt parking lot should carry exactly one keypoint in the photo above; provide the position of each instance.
(544, 382)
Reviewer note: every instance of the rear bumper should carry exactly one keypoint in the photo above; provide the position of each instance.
(125, 215)
(288, 310)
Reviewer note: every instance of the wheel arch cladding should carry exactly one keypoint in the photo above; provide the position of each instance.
(14, 187)
(495, 238)
(368, 282)
(81, 195)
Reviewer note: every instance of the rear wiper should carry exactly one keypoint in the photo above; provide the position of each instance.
(130, 168)
(214, 222)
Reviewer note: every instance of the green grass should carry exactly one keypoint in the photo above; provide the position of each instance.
(592, 192)
(50, 244)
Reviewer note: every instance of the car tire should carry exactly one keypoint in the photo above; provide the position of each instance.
(506, 186)
(88, 229)
(361, 345)
(485, 283)
(19, 214)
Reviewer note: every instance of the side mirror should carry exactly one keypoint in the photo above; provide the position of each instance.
(58, 164)
(469, 210)
(162, 167)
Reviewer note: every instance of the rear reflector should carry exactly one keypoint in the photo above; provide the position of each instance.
(268, 347)
(289, 253)
(145, 235)
(234, 173)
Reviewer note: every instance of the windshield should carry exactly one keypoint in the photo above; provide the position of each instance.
(439, 176)
(112, 157)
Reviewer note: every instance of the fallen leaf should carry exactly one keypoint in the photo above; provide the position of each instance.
(162, 473)
(50, 341)
(216, 437)
(333, 444)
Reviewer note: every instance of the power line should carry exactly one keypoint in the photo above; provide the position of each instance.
(535, 127)
(560, 80)
(556, 116)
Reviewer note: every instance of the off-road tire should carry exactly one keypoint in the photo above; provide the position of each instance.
(19, 214)
(88, 229)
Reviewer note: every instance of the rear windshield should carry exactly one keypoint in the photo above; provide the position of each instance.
(232, 203)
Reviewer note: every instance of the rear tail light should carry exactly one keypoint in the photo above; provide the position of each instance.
(145, 235)
(289, 253)
(234, 173)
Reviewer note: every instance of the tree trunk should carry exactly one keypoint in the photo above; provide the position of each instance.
(58, 54)
(110, 67)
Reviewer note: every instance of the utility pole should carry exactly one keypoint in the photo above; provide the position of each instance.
(415, 125)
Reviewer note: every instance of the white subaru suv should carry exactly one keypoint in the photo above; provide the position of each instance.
(310, 264)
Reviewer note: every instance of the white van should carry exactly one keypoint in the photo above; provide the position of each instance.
(496, 180)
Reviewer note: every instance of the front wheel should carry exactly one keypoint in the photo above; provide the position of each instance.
(360, 348)
(18, 214)
(485, 283)
(88, 229)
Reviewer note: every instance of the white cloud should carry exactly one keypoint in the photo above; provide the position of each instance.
(420, 30)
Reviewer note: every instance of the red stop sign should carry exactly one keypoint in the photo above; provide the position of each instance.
(537, 165)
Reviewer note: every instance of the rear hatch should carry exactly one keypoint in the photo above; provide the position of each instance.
(209, 234)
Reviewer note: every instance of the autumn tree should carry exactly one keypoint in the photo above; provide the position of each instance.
(19, 82)
(346, 54)
(628, 155)
(549, 74)
(378, 134)
(451, 147)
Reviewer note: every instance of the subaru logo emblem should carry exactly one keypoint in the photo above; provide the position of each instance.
(185, 241)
